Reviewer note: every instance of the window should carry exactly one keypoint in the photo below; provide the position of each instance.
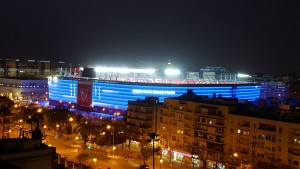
(296, 163)
(260, 145)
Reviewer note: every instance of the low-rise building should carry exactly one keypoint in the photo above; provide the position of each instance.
(24, 89)
(27, 153)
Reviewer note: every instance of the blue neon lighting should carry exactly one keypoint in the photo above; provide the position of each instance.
(113, 95)
(63, 90)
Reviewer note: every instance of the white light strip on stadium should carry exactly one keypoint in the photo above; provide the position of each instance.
(243, 75)
(172, 72)
(124, 70)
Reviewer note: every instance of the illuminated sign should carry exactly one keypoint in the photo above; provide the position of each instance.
(138, 91)
(84, 94)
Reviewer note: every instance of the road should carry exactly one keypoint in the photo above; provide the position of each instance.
(73, 151)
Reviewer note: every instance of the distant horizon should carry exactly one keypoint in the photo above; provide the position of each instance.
(160, 67)
(249, 36)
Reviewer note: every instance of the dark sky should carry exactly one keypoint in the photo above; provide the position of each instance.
(253, 36)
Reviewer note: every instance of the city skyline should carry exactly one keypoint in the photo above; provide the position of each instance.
(255, 36)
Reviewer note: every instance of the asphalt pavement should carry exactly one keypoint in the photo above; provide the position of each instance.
(102, 157)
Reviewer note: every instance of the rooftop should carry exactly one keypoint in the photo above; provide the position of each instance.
(148, 102)
(269, 113)
(15, 145)
(192, 97)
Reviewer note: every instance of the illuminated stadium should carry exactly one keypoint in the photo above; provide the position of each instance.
(111, 89)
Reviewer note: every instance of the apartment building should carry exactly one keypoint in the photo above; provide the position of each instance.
(141, 115)
(264, 137)
(190, 125)
(224, 132)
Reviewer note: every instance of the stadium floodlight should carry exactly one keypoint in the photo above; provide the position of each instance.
(123, 70)
(242, 75)
(81, 68)
(172, 72)
(55, 79)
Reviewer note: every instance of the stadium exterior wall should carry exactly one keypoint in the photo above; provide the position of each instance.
(112, 95)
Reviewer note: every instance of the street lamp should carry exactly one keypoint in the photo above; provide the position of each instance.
(153, 136)
(236, 155)
(160, 161)
(109, 127)
(95, 160)
(70, 119)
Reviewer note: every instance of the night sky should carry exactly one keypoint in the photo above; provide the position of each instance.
(252, 36)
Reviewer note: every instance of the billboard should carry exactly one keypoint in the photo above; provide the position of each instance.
(84, 94)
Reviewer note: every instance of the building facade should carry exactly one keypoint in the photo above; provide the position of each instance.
(27, 153)
(273, 90)
(24, 89)
(140, 119)
(221, 131)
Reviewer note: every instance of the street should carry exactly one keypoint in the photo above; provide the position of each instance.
(99, 158)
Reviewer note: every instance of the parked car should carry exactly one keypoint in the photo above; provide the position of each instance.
(144, 166)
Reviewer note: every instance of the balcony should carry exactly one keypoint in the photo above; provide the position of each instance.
(210, 114)
(294, 133)
(139, 126)
(140, 119)
(187, 126)
(187, 118)
(217, 141)
(295, 152)
(244, 124)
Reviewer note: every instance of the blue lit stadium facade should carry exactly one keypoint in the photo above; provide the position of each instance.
(117, 95)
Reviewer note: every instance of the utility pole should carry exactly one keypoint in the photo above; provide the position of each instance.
(153, 136)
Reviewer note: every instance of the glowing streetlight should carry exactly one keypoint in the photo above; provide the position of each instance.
(95, 160)
(71, 119)
(39, 110)
(109, 127)
(57, 125)
(235, 154)
(160, 162)
(45, 126)
(76, 138)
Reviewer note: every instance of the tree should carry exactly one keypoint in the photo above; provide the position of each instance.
(57, 117)
(193, 150)
(203, 156)
(218, 157)
(4, 111)
(146, 153)
(85, 132)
